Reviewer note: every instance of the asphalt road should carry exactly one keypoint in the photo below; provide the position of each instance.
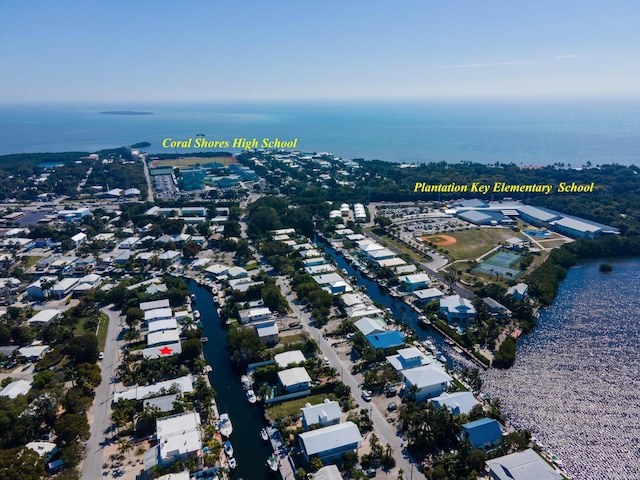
(385, 431)
(101, 411)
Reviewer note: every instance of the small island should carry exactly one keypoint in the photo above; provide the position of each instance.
(124, 112)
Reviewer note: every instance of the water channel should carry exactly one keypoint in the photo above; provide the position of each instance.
(250, 451)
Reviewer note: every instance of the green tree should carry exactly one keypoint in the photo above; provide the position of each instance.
(70, 428)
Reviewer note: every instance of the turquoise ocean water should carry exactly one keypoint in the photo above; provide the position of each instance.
(529, 133)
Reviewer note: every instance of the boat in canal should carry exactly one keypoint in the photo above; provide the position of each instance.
(246, 383)
(264, 434)
(228, 449)
(232, 463)
(251, 396)
(273, 463)
(196, 314)
(225, 427)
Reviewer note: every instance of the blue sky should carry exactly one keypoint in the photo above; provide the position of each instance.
(96, 51)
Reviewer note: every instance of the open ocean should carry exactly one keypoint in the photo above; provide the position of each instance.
(528, 133)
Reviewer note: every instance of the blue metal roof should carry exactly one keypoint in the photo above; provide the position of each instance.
(393, 338)
(482, 432)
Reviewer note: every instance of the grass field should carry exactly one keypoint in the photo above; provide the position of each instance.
(191, 161)
(285, 409)
(474, 243)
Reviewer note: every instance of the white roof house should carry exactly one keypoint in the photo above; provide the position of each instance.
(518, 291)
(289, 358)
(330, 442)
(178, 436)
(409, 357)
(428, 295)
(64, 287)
(237, 272)
(525, 465)
(368, 326)
(362, 311)
(456, 308)
(326, 413)
(327, 278)
(15, 388)
(184, 385)
(294, 379)
(415, 281)
(431, 380)
(163, 337)
(157, 304)
(458, 402)
(164, 324)
(158, 351)
(157, 314)
(33, 352)
(328, 472)
(44, 316)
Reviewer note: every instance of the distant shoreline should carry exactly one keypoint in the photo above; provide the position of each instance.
(124, 112)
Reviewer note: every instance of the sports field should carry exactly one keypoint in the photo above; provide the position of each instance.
(188, 162)
(469, 244)
(502, 264)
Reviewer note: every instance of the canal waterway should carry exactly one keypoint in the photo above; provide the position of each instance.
(575, 382)
(249, 450)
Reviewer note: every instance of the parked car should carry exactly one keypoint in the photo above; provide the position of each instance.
(390, 391)
(366, 395)
(392, 406)
(101, 356)
(372, 472)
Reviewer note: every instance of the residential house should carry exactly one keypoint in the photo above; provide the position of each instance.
(294, 379)
(457, 403)
(484, 434)
(330, 443)
(429, 381)
(179, 438)
(390, 339)
(268, 333)
(289, 358)
(525, 465)
(324, 414)
(414, 282)
(519, 291)
(457, 309)
(409, 357)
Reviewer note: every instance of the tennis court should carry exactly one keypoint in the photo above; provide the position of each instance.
(501, 265)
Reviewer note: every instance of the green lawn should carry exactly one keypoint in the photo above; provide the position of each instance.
(286, 409)
(295, 338)
(474, 243)
(102, 330)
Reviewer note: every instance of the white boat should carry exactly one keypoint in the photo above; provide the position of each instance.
(193, 297)
(264, 434)
(246, 383)
(232, 463)
(441, 358)
(273, 463)
(228, 449)
(251, 397)
(196, 314)
(224, 425)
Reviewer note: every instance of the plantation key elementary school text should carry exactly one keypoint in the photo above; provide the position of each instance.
(502, 187)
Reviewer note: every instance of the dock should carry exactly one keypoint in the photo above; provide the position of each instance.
(285, 462)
